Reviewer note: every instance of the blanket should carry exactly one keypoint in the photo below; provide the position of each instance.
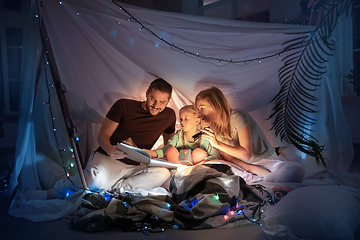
(200, 197)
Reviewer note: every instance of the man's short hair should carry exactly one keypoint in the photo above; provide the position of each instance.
(161, 85)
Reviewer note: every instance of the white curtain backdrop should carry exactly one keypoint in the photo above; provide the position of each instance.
(102, 55)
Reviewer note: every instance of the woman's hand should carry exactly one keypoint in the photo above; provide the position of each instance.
(210, 136)
(115, 153)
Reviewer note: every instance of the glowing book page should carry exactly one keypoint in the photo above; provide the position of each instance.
(142, 156)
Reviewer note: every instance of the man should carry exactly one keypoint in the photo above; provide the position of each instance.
(143, 122)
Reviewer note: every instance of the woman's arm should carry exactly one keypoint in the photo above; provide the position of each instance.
(234, 154)
(242, 152)
(256, 169)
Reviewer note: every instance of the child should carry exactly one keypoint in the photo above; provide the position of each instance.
(200, 148)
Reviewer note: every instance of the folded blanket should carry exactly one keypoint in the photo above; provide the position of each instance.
(203, 196)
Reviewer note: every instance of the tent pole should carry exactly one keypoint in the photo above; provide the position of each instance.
(60, 90)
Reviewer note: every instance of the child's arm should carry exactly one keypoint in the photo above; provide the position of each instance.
(152, 153)
(212, 153)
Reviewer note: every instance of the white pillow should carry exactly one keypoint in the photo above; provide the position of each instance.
(316, 212)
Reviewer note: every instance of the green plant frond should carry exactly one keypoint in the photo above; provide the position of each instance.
(307, 73)
(300, 100)
(299, 126)
(309, 61)
(312, 77)
(302, 85)
(300, 77)
(314, 52)
(306, 94)
(313, 84)
(328, 51)
(298, 115)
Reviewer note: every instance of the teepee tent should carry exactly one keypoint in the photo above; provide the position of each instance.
(104, 52)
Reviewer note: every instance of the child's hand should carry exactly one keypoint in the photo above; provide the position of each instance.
(152, 153)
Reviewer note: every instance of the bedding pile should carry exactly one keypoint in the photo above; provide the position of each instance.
(201, 197)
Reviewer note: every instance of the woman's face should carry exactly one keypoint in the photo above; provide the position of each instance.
(206, 112)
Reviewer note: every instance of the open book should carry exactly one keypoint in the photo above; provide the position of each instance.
(142, 156)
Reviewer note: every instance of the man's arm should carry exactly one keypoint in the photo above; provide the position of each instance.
(107, 129)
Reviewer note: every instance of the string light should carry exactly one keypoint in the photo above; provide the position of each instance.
(50, 86)
(205, 59)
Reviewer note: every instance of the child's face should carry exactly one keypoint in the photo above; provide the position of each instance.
(188, 120)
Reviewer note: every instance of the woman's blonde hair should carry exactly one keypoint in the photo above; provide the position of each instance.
(220, 105)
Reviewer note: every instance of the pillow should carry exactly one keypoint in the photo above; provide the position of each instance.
(316, 212)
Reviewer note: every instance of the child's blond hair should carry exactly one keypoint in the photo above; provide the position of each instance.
(188, 108)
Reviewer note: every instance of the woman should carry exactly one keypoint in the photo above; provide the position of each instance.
(239, 139)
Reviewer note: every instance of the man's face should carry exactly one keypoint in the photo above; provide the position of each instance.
(156, 101)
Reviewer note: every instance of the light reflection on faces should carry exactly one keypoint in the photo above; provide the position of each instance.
(188, 120)
(206, 112)
(156, 101)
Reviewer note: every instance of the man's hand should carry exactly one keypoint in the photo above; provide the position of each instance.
(115, 153)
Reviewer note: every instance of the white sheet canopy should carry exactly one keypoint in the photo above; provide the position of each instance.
(102, 55)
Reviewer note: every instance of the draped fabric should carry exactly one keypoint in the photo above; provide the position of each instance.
(102, 55)
(201, 196)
